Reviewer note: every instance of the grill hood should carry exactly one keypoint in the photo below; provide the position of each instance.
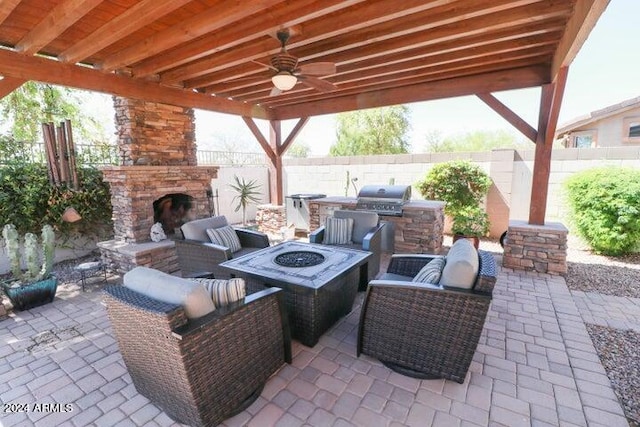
(400, 193)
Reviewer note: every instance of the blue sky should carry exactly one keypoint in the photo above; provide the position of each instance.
(604, 72)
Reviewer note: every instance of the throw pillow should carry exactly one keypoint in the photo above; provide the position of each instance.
(338, 231)
(225, 236)
(462, 265)
(431, 272)
(224, 292)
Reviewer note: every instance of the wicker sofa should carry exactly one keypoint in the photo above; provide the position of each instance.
(425, 330)
(200, 369)
(367, 236)
(196, 253)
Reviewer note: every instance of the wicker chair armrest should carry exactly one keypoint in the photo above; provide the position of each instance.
(252, 238)
(409, 264)
(401, 283)
(210, 248)
(317, 235)
(372, 241)
(488, 273)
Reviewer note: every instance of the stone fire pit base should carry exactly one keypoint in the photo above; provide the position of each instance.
(121, 256)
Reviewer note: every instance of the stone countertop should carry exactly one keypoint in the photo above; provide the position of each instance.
(412, 204)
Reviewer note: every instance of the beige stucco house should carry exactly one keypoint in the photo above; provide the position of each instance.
(614, 126)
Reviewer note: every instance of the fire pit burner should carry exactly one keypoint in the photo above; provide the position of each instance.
(299, 259)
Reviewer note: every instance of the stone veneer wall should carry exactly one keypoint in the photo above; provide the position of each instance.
(541, 248)
(134, 188)
(271, 219)
(150, 133)
(122, 257)
(419, 230)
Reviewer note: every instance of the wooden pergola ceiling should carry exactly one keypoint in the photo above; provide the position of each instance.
(201, 53)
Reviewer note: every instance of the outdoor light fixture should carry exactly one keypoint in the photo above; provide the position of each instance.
(284, 80)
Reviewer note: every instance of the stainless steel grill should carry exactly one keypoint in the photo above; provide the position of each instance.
(383, 199)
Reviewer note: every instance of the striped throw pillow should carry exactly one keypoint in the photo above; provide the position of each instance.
(431, 272)
(225, 236)
(338, 231)
(224, 292)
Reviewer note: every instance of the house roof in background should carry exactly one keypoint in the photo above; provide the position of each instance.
(597, 115)
(207, 54)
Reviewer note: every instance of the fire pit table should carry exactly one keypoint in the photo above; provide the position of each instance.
(320, 282)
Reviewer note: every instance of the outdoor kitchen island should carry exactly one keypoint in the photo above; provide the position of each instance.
(419, 229)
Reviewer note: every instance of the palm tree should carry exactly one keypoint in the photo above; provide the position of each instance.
(247, 193)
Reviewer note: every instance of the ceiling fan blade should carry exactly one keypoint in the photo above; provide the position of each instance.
(316, 83)
(266, 65)
(318, 68)
(275, 91)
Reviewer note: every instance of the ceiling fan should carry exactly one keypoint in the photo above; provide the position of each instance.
(289, 73)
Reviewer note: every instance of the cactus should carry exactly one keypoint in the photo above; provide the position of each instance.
(36, 270)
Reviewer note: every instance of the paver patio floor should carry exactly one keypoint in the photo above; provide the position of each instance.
(535, 365)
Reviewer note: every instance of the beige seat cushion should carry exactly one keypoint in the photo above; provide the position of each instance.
(192, 296)
(462, 265)
(197, 229)
(363, 222)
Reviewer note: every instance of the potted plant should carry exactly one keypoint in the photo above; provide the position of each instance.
(470, 222)
(246, 193)
(36, 285)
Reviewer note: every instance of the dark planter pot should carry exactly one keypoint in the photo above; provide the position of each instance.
(31, 295)
(474, 239)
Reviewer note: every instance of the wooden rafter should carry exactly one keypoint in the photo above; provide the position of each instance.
(489, 82)
(130, 21)
(47, 70)
(584, 18)
(63, 16)
(185, 31)
(6, 7)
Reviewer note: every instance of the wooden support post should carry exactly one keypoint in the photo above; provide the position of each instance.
(275, 149)
(550, 102)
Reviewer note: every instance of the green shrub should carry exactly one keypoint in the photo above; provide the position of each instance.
(28, 201)
(460, 183)
(605, 208)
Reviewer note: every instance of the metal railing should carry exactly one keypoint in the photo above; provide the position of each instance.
(90, 154)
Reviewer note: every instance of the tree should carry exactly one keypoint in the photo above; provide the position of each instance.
(373, 131)
(298, 149)
(30, 105)
(480, 140)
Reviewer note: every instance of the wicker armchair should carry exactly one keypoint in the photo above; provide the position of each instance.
(205, 370)
(367, 236)
(423, 330)
(196, 253)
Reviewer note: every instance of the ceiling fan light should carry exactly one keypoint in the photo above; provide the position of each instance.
(284, 80)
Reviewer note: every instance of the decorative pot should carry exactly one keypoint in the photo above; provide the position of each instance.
(30, 295)
(474, 239)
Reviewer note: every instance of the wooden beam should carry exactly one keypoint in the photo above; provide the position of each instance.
(269, 151)
(49, 71)
(213, 19)
(586, 14)
(293, 135)
(276, 182)
(515, 120)
(139, 15)
(282, 16)
(518, 78)
(8, 85)
(550, 102)
(61, 17)
(6, 7)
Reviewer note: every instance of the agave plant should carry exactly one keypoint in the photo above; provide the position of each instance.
(246, 193)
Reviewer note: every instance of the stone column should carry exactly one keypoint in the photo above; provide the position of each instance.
(541, 248)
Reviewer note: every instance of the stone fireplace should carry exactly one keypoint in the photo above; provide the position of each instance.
(159, 181)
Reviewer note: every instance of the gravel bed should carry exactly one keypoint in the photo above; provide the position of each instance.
(619, 352)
